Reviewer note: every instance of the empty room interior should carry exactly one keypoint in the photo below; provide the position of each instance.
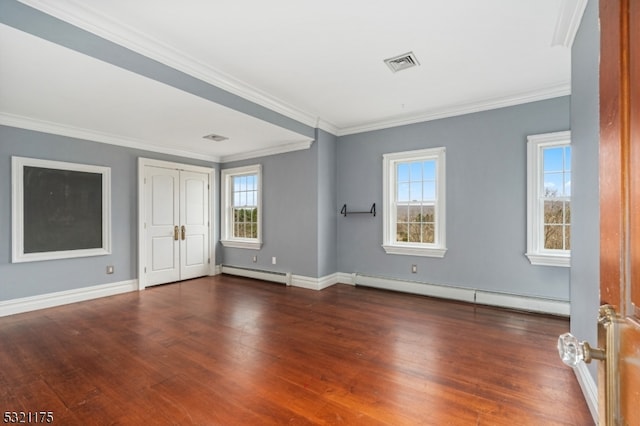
(298, 212)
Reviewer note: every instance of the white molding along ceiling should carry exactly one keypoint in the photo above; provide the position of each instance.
(81, 15)
(569, 18)
(321, 65)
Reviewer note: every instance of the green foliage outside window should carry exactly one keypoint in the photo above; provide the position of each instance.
(245, 222)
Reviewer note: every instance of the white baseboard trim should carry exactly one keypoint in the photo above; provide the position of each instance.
(314, 283)
(589, 389)
(471, 295)
(49, 300)
(344, 278)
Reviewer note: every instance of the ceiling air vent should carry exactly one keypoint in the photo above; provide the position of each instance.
(401, 62)
(216, 138)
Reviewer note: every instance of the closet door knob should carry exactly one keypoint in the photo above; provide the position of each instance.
(184, 232)
(176, 233)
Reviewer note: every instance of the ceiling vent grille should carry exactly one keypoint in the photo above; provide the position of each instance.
(402, 62)
(216, 138)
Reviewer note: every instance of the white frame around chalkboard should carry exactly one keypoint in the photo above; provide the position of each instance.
(17, 196)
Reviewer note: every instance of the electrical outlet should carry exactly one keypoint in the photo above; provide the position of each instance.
(109, 269)
(255, 259)
(414, 269)
(273, 260)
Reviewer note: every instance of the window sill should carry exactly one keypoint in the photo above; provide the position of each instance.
(414, 251)
(251, 245)
(562, 260)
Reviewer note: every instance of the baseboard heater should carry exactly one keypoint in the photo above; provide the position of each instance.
(259, 274)
(471, 295)
(415, 287)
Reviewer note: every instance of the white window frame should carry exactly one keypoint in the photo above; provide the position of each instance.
(536, 252)
(228, 240)
(389, 214)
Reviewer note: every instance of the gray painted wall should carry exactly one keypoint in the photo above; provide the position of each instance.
(327, 207)
(289, 214)
(34, 278)
(585, 135)
(486, 200)
(299, 212)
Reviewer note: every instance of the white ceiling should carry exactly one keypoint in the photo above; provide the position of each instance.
(320, 63)
(62, 91)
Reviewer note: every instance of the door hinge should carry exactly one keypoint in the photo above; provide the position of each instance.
(145, 269)
(209, 260)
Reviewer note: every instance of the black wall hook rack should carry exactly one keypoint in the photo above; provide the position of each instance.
(344, 211)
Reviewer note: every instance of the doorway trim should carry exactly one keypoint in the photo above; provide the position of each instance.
(142, 248)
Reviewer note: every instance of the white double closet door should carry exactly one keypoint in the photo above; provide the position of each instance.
(176, 224)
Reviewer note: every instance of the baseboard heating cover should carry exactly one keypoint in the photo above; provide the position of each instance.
(259, 274)
(415, 287)
(471, 295)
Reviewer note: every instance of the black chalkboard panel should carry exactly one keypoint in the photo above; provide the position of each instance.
(62, 210)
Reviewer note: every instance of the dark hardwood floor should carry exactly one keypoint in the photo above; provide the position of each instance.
(231, 351)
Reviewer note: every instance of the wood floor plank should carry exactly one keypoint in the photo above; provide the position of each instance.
(227, 350)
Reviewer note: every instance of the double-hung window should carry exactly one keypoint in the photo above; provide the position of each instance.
(549, 199)
(242, 215)
(414, 203)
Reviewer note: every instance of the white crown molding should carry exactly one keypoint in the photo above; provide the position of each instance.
(556, 91)
(569, 18)
(81, 16)
(280, 149)
(49, 300)
(327, 127)
(28, 123)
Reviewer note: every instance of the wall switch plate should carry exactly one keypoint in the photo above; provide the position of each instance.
(109, 269)
(255, 259)
(273, 260)
(414, 269)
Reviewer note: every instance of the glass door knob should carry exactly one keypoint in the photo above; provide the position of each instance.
(572, 351)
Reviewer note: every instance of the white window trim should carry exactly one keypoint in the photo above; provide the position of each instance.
(389, 161)
(227, 239)
(535, 241)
